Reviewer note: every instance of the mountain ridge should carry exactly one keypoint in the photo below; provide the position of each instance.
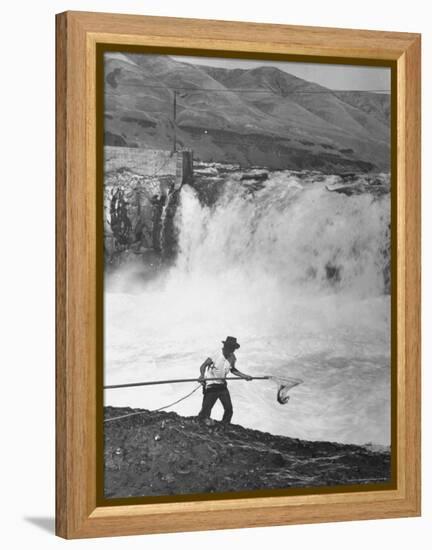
(286, 121)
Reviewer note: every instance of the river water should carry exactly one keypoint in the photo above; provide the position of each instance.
(299, 275)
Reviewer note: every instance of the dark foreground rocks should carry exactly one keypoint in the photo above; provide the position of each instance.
(159, 453)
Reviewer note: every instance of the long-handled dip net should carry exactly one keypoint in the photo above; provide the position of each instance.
(284, 386)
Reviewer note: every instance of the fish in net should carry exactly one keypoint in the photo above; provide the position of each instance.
(284, 386)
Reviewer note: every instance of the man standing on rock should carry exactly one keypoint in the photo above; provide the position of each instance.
(213, 373)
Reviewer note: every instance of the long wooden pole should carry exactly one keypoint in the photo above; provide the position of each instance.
(176, 381)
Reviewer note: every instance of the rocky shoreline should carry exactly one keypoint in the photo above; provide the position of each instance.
(162, 453)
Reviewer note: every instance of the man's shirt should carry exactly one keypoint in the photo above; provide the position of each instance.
(220, 368)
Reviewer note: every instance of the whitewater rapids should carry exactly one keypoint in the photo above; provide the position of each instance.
(297, 274)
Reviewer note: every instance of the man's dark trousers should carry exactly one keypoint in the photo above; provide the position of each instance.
(211, 394)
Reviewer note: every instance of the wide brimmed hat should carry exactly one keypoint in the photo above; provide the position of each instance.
(231, 342)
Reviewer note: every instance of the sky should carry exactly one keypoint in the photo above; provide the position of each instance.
(335, 77)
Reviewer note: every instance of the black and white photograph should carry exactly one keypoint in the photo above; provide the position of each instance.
(247, 295)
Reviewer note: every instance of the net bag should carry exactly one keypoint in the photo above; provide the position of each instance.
(284, 386)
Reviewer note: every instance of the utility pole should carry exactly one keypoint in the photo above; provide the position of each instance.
(174, 121)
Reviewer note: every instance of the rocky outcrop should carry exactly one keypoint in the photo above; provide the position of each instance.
(141, 192)
(133, 214)
(159, 453)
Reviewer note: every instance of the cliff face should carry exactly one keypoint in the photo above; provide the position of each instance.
(135, 210)
(141, 189)
(159, 453)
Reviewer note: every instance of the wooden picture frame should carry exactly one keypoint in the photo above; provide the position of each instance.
(78, 297)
